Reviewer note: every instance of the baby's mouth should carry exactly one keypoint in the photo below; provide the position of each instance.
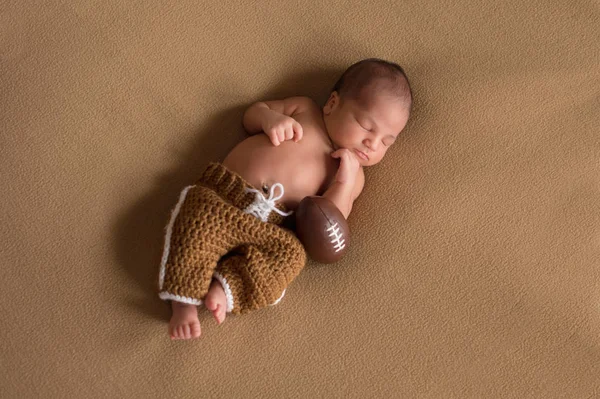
(361, 155)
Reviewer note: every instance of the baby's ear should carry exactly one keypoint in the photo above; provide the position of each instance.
(332, 102)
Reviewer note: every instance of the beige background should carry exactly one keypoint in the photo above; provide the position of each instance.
(474, 266)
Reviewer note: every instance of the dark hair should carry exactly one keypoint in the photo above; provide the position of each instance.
(365, 73)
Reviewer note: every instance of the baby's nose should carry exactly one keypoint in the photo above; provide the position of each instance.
(370, 144)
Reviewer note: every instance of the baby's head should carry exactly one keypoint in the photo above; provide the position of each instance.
(368, 108)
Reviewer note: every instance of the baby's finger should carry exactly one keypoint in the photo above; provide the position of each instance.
(339, 153)
(281, 135)
(289, 133)
(298, 133)
(274, 139)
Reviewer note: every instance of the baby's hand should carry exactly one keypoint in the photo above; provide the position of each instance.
(349, 166)
(280, 128)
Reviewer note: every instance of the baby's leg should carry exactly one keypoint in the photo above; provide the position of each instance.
(192, 250)
(258, 274)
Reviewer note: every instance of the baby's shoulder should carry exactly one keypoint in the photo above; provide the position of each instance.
(303, 104)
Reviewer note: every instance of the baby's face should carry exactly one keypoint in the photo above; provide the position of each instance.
(368, 128)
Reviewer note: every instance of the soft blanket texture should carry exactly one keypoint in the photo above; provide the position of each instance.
(474, 265)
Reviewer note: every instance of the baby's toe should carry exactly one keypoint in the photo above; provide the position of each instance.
(221, 313)
(174, 331)
(195, 330)
(181, 332)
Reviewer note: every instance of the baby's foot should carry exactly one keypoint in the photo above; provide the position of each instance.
(216, 301)
(184, 323)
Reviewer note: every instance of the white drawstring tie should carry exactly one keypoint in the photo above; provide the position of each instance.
(262, 207)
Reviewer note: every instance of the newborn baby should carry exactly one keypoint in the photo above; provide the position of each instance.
(224, 246)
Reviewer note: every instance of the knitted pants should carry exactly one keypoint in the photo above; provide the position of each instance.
(222, 227)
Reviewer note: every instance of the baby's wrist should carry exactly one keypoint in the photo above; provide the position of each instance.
(343, 182)
(267, 117)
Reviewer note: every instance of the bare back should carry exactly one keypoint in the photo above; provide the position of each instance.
(303, 168)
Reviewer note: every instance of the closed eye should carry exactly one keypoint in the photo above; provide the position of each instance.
(362, 126)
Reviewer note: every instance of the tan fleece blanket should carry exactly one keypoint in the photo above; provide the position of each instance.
(474, 265)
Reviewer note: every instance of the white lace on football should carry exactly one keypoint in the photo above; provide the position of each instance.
(262, 207)
(334, 231)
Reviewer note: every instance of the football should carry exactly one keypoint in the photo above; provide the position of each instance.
(322, 229)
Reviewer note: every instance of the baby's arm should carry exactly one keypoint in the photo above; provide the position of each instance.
(348, 184)
(275, 118)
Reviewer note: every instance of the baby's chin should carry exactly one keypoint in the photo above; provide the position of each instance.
(370, 162)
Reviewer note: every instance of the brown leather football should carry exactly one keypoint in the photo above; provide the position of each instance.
(322, 229)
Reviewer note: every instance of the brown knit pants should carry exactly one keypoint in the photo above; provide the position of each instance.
(211, 234)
